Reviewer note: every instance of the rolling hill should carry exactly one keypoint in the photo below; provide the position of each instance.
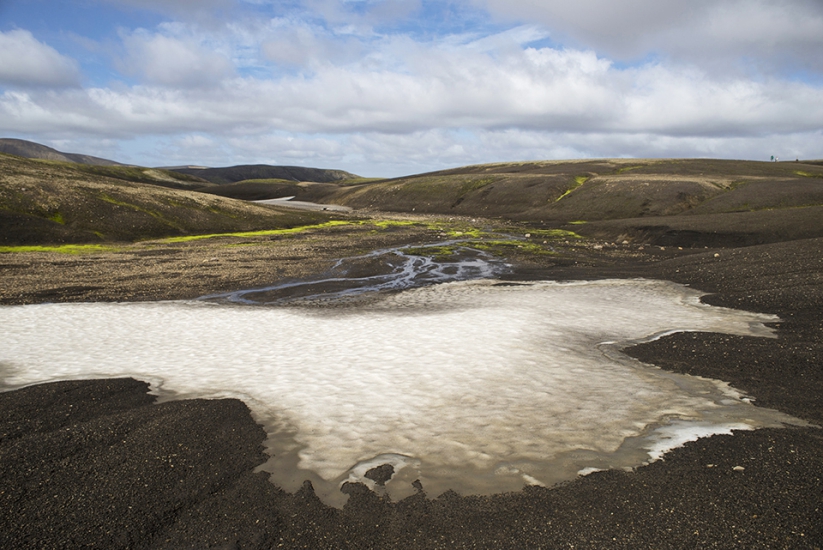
(695, 201)
(32, 150)
(45, 202)
(233, 174)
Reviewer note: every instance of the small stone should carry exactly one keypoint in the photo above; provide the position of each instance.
(528, 235)
(738, 468)
(716, 255)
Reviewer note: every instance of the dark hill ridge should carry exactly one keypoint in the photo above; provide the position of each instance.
(31, 150)
(233, 174)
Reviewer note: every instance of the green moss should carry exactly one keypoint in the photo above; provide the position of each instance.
(502, 247)
(137, 208)
(554, 234)
(808, 174)
(628, 168)
(261, 233)
(436, 251)
(73, 249)
(465, 232)
(384, 224)
(474, 185)
(57, 217)
(578, 222)
(578, 181)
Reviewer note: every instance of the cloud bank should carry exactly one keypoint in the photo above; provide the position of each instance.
(387, 88)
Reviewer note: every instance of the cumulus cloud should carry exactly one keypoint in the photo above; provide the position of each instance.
(536, 89)
(771, 35)
(25, 61)
(174, 61)
(299, 45)
(325, 88)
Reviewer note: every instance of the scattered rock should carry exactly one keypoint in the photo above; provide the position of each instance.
(380, 474)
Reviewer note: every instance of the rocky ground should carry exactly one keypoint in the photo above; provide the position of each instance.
(97, 464)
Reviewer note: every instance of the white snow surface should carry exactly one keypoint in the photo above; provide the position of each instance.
(473, 386)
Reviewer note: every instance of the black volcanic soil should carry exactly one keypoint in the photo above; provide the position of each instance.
(96, 464)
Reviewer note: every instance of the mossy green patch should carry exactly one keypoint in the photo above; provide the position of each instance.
(502, 247)
(435, 251)
(73, 249)
(57, 217)
(578, 181)
(808, 174)
(261, 233)
(380, 224)
(578, 222)
(628, 168)
(554, 234)
(465, 232)
(384, 224)
(137, 208)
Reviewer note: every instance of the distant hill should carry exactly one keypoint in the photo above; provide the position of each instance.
(233, 174)
(683, 202)
(32, 150)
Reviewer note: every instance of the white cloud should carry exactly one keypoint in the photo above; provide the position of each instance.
(541, 89)
(297, 44)
(301, 89)
(174, 61)
(770, 35)
(25, 61)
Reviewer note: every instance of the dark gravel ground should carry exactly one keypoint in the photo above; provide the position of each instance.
(95, 464)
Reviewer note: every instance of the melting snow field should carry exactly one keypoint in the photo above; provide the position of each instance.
(474, 386)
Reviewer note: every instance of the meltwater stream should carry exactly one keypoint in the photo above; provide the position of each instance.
(389, 269)
(475, 386)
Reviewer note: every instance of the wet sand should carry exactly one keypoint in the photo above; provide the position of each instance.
(96, 464)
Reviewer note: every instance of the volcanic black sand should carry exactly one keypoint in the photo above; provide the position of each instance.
(97, 464)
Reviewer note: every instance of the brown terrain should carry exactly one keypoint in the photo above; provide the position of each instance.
(88, 463)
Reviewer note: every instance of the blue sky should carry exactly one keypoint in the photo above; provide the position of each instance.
(393, 87)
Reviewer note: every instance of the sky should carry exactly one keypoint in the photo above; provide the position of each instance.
(397, 87)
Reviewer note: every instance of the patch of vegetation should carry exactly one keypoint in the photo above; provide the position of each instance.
(380, 224)
(501, 247)
(435, 251)
(74, 249)
(384, 224)
(578, 181)
(628, 168)
(57, 217)
(261, 233)
(578, 222)
(474, 185)
(137, 208)
(554, 234)
(465, 232)
(808, 174)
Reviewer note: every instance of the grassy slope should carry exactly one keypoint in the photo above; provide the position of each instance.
(654, 200)
(50, 202)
